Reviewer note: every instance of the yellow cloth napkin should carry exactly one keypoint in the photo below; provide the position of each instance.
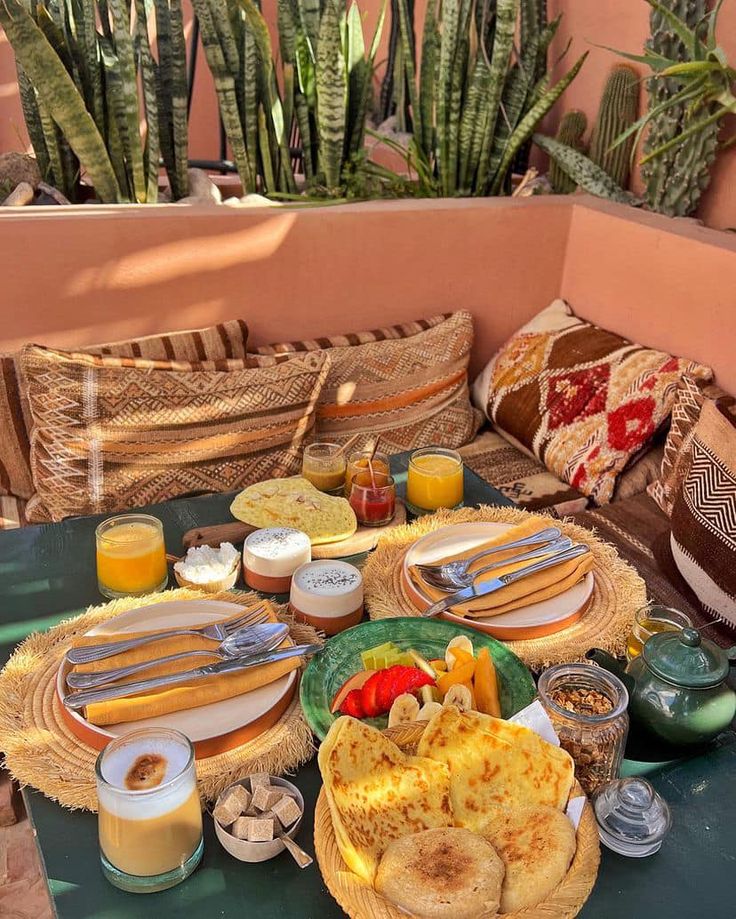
(184, 696)
(533, 589)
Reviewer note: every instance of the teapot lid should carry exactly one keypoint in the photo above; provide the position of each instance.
(685, 658)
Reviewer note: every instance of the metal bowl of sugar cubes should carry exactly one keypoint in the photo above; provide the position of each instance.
(251, 814)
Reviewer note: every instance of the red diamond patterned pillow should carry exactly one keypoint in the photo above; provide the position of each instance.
(579, 398)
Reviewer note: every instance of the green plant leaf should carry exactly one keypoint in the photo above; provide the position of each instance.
(331, 94)
(583, 171)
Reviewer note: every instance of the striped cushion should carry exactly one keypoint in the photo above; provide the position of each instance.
(220, 342)
(408, 383)
(703, 537)
(108, 437)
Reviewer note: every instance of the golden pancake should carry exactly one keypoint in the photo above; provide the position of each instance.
(295, 503)
(442, 874)
(492, 761)
(536, 845)
(378, 794)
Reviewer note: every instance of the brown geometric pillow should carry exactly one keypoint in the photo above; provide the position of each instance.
(108, 437)
(581, 399)
(689, 400)
(408, 383)
(703, 537)
(220, 342)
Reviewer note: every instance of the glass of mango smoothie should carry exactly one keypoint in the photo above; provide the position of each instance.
(434, 480)
(131, 556)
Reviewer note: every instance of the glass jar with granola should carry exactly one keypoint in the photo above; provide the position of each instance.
(587, 707)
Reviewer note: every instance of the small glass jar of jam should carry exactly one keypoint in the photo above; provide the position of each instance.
(358, 463)
(324, 466)
(373, 498)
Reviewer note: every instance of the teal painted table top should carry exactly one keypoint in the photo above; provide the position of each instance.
(48, 573)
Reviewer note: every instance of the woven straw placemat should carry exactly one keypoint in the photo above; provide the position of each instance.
(618, 590)
(360, 901)
(41, 751)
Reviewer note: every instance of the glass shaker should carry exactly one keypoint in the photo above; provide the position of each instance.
(587, 708)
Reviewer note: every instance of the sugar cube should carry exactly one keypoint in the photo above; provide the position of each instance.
(231, 805)
(260, 829)
(286, 810)
(265, 796)
(259, 779)
(240, 827)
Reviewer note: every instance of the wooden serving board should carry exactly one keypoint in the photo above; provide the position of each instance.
(363, 539)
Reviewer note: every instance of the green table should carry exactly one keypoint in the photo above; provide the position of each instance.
(48, 572)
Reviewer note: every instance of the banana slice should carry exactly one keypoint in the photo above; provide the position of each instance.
(404, 710)
(428, 711)
(460, 696)
(463, 643)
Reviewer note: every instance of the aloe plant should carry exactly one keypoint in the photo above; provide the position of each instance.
(321, 95)
(79, 68)
(477, 100)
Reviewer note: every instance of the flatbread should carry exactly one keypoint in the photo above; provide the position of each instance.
(378, 794)
(442, 874)
(492, 762)
(536, 845)
(296, 503)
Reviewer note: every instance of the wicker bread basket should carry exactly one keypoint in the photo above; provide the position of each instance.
(360, 901)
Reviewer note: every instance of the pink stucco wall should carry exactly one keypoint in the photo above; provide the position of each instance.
(620, 24)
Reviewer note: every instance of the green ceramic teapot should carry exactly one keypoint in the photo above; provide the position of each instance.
(677, 686)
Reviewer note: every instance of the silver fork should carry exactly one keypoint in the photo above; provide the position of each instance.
(217, 631)
(249, 640)
(460, 568)
(451, 582)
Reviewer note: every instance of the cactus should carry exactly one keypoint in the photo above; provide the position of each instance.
(618, 110)
(571, 132)
(676, 179)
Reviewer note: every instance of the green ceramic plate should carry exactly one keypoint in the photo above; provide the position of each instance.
(340, 659)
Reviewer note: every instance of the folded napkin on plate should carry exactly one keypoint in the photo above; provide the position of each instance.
(184, 696)
(532, 589)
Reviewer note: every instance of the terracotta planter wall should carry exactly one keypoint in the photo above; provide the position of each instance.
(95, 273)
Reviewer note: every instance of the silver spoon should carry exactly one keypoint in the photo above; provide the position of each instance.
(451, 581)
(460, 568)
(250, 640)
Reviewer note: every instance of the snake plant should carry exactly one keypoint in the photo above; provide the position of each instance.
(476, 100)
(320, 95)
(80, 64)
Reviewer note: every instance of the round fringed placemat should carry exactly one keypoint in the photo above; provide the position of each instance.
(617, 593)
(360, 901)
(41, 751)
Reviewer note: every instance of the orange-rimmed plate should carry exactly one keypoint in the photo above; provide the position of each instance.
(533, 621)
(212, 728)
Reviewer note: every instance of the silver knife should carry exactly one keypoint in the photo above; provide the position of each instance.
(78, 700)
(494, 584)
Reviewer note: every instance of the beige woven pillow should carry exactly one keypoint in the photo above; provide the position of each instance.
(108, 437)
(408, 383)
(218, 342)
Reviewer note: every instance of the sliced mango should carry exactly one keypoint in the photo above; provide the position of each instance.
(485, 685)
(461, 656)
(438, 665)
(461, 673)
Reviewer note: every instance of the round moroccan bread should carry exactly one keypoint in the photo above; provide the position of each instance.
(440, 873)
(536, 844)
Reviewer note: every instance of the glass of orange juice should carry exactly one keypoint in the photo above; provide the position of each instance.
(131, 556)
(648, 621)
(149, 812)
(434, 480)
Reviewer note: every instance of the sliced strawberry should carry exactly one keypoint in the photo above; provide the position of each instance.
(385, 694)
(413, 679)
(369, 695)
(352, 704)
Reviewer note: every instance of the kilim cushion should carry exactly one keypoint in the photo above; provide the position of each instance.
(703, 537)
(408, 383)
(224, 341)
(108, 437)
(519, 476)
(581, 399)
(689, 400)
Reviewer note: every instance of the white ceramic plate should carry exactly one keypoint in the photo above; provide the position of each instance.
(532, 621)
(202, 724)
